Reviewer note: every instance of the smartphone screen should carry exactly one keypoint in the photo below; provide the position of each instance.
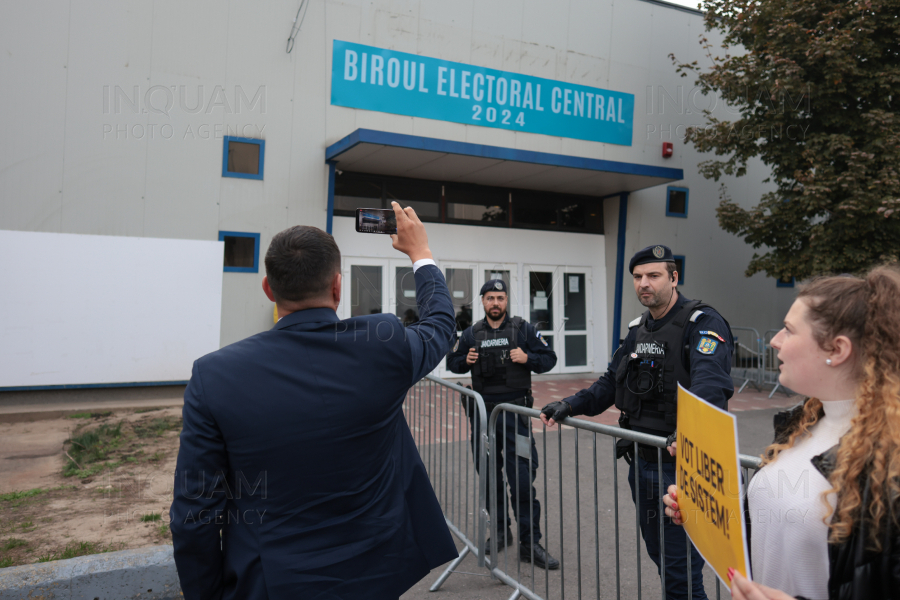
(376, 220)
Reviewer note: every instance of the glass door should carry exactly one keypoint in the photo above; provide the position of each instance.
(364, 287)
(403, 292)
(509, 274)
(461, 283)
(543, 307)
(577, 355)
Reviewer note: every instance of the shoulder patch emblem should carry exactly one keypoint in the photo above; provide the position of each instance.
(456, 345)
(541, 338)
(707, 346)
(714, 334)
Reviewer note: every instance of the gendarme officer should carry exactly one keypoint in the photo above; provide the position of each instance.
(676, 340)
(502, 351)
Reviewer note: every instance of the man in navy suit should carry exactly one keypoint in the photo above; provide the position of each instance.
(297, 475)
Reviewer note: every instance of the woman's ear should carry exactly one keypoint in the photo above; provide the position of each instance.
(841, 350)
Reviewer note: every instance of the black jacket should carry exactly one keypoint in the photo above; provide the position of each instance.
(855, 573)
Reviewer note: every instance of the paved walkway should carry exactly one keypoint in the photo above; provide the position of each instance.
(549, 388)
(31, 406)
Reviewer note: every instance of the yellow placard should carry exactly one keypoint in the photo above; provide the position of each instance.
(709, 484)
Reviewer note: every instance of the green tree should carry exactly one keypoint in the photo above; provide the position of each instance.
(816, 85)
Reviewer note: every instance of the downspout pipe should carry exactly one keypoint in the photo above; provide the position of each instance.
(330, 216)
(620, 270)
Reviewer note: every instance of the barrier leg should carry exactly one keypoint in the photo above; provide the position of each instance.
(516, 594)
(449, 570)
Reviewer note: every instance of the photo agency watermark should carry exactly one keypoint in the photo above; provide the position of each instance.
(669, 109)
(156, 106)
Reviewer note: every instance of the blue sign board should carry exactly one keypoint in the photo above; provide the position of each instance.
(418, 86)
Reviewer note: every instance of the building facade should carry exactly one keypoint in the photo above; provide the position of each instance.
(541, 142)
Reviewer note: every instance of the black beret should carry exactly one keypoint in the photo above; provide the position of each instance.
(651, 254)
(494, 285)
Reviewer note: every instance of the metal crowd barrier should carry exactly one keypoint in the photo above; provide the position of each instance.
(747, 360)
(579, 496)
(442, 432)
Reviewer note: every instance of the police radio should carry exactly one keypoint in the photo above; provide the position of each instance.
(645, 369)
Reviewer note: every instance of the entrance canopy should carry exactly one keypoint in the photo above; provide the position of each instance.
(385, 153)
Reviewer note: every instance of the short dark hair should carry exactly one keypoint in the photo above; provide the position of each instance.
(671, 267)
(301, 263)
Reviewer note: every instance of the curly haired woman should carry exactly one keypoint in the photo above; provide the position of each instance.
(825, 506)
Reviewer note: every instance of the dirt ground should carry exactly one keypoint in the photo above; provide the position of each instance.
(116, 495)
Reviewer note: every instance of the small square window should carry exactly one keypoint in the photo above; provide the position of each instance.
(676, 202)
(679, 267)
(241, 251)
(243, 157)
(787, 282)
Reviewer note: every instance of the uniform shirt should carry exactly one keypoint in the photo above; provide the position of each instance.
(710, 378)
(540, 357)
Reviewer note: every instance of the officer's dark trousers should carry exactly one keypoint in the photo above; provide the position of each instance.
(647, 474)
(520, 477)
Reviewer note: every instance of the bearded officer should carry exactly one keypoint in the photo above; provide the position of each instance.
(501, 352)
(677, 340)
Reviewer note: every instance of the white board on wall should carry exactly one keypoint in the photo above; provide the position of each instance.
(93, 309)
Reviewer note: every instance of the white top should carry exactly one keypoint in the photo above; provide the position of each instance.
(789, 540)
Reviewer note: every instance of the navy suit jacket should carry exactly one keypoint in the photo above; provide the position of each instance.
(295, 448)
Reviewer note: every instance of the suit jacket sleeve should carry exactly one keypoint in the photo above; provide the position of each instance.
(199, 473)
(429, 338)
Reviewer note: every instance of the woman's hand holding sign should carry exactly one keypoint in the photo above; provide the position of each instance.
(671, 502)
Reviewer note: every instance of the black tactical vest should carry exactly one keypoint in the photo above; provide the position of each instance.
(494, 372)
(647, 379)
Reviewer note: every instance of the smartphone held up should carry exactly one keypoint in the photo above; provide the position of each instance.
(376, 220)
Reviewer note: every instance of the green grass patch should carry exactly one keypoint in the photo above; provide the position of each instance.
(88, 450)
(91, 415)
(157, 427)
(6, 562)
(11, 543)
(75, 549)
(163, 530)
(151, 517)
(19, 495)
(27, 526)
(146, 410)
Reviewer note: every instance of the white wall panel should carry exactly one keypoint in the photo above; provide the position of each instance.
(500, 19)
(109, 55)
(33, 67)
(102, 309)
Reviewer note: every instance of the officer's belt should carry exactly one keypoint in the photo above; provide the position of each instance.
(650, 454)
(490, 406)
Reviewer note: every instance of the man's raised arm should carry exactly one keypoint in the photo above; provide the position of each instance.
(429, 338)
